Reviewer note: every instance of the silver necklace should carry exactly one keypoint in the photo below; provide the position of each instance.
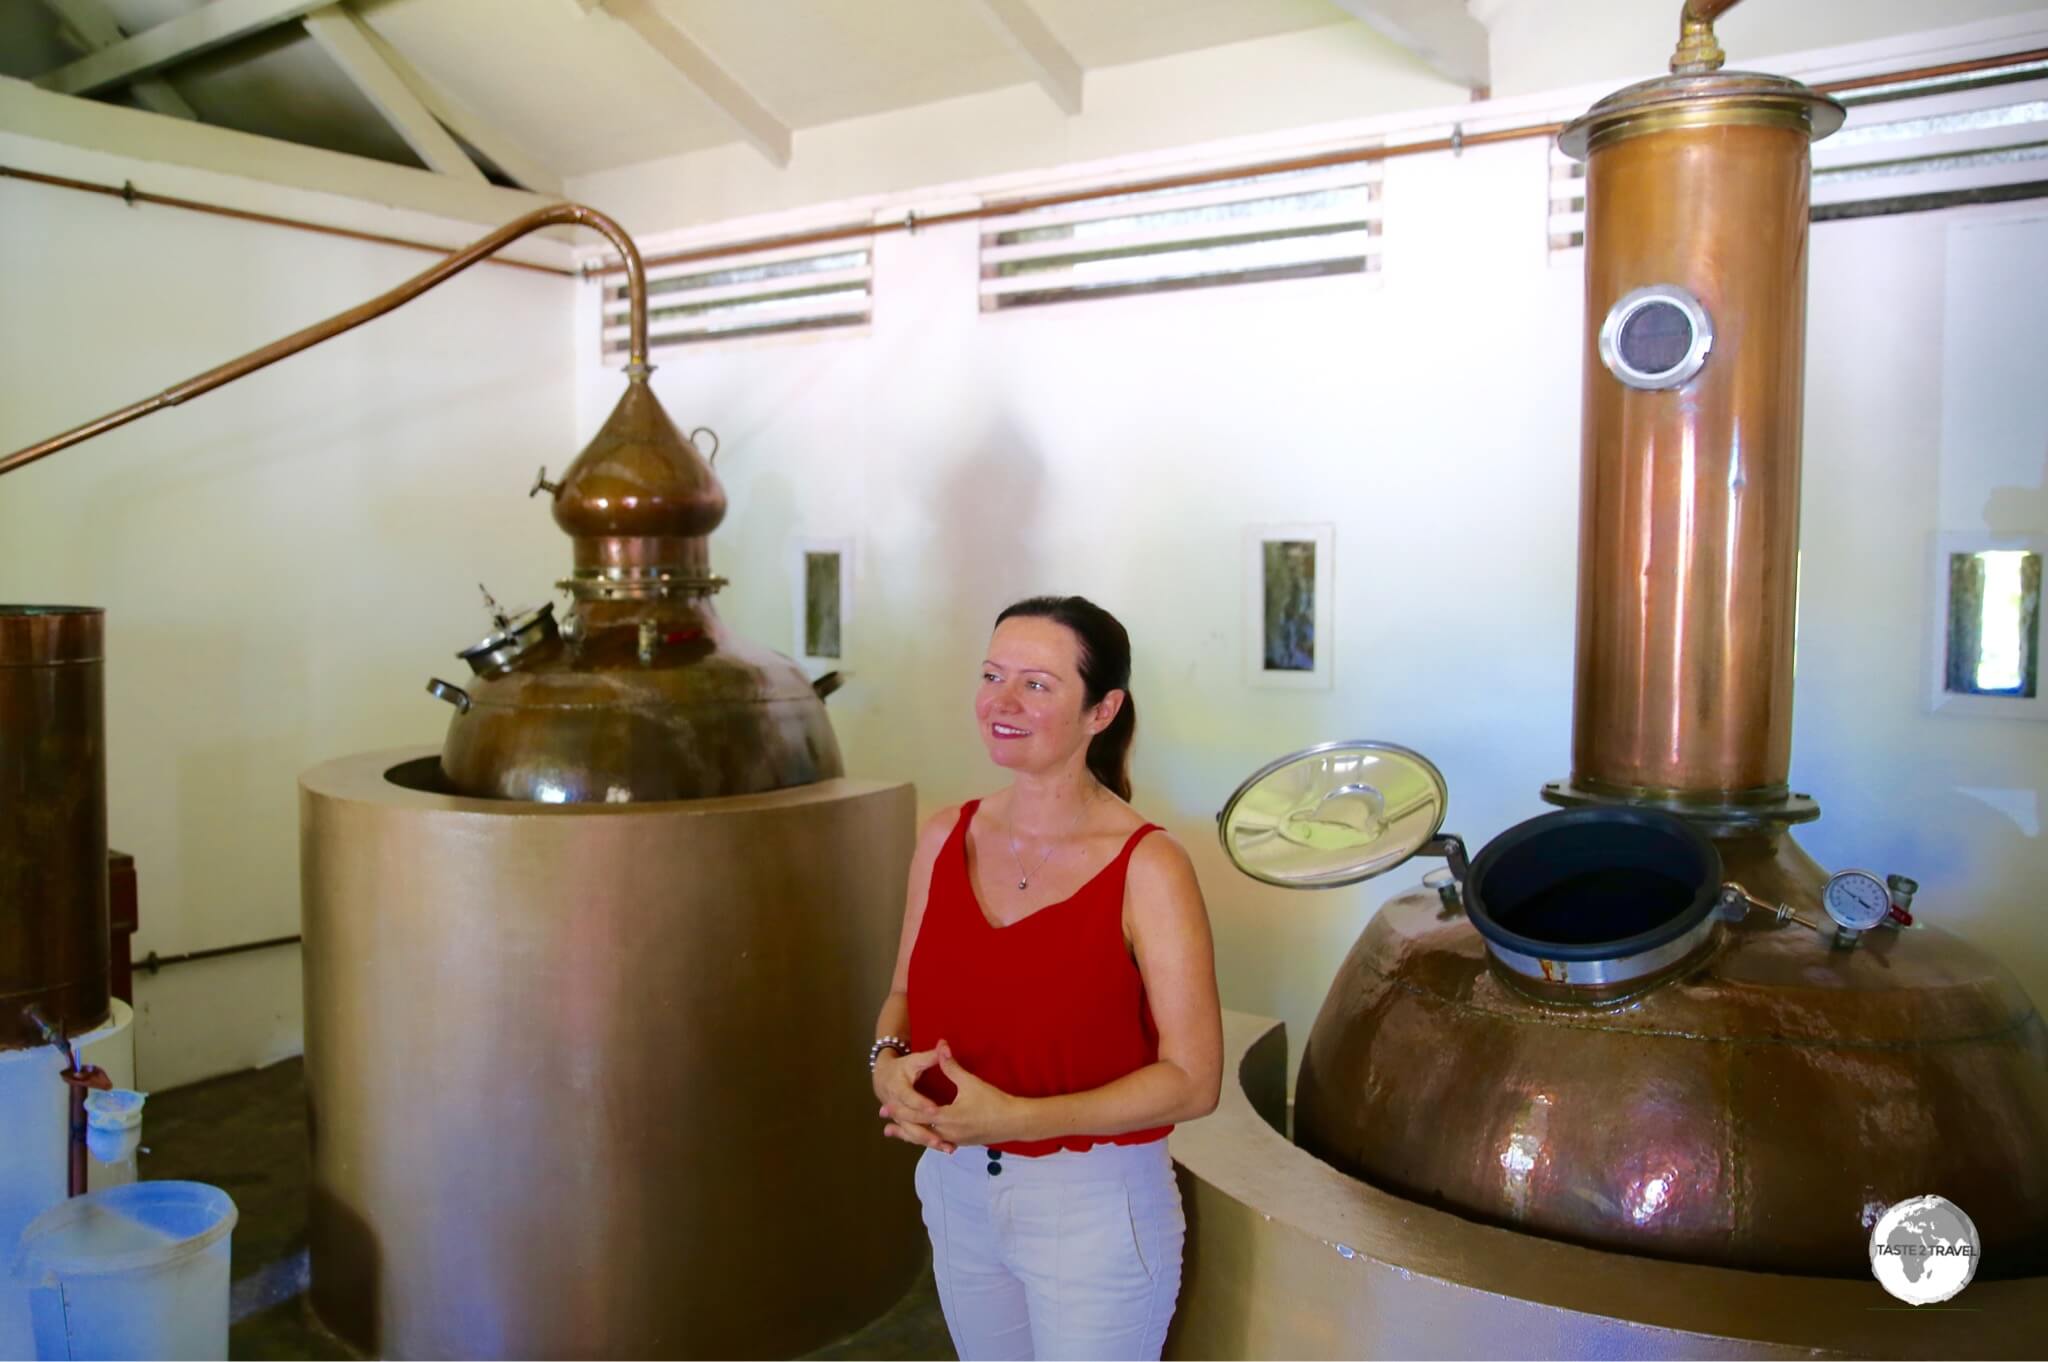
(1023, 875)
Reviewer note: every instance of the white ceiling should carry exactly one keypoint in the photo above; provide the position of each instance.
(576, 90)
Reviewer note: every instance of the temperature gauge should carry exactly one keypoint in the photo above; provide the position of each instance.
(1857, 900)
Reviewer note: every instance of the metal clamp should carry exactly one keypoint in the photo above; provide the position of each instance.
(452, 693)
(711, 435)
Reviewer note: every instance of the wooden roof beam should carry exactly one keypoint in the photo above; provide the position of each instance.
(767, 133)
(467, 123)
(214, 24)
(91, 26)
(1055, 68)
(343, 37)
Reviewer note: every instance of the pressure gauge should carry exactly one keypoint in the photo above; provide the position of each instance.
(1857, 900)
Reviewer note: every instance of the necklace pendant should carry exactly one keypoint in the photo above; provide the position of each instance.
(1022, 883)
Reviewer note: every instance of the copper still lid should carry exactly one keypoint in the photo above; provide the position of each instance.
(1699, 100)
(1698, 93)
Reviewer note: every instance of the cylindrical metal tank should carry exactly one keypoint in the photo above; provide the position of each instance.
(586, 1079)
(53, 823)
(1696, 231)
(1741, 1088)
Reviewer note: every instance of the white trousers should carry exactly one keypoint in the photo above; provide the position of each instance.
(1064, 1256)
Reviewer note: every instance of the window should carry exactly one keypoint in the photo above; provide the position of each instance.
(1986, 637)
(769, 291)
(1994, 619)
(1290, 224)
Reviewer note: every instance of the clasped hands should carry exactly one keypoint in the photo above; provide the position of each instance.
(979, 1113)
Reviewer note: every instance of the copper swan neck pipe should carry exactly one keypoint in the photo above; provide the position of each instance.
(554, 215)
(1698, 51)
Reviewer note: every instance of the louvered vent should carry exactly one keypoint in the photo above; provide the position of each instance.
(1937, 143)
(1287, 225)
(765, 292)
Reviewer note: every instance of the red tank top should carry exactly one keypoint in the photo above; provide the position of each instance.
(1050, 1004)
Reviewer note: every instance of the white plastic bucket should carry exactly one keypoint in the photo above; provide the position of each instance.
(133, 1271)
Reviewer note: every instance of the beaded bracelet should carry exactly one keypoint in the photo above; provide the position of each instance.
(896, 1043)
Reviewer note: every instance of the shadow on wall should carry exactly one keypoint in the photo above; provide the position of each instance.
(982, 548)
(748, 549)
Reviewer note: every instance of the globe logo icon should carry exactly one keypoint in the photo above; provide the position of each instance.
(1924, 1250)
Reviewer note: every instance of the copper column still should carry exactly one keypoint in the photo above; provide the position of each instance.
(53, 824)
(1760, 1101)
(1696, 231)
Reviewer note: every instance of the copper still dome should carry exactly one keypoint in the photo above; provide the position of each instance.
(1710, 1050)
(641, 692)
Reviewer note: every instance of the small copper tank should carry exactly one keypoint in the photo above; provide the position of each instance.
(1757, 1097)
(53, 823)
(641, 692)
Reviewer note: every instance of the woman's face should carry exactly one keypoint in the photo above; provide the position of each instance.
(1031, 706)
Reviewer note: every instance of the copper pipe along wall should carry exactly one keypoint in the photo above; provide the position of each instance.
(129, 194)
(53, 823)
(555, 215)
(1689, 502)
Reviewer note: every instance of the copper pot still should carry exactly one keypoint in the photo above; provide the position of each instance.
(1652, 1023)
(641, 692)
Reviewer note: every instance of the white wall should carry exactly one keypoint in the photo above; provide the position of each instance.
(1119, 449)
(282, 562)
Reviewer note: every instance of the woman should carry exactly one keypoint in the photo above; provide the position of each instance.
(1056, 984)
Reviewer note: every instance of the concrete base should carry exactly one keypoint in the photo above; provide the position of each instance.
(1287, 1257)
(586, 1080)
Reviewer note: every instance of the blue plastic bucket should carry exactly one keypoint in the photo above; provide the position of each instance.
(133, 1271)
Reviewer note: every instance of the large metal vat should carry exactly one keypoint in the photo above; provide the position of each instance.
(586, 1080)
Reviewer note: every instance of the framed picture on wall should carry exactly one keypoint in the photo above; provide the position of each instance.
(821, 583)
(1290, 605)
(1985, 638)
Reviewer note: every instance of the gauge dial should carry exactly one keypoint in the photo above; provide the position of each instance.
(1856, 899)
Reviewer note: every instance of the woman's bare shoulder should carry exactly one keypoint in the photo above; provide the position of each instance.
(937, 827)
(1160, 856)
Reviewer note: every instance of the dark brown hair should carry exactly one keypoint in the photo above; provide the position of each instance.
(1105, 666)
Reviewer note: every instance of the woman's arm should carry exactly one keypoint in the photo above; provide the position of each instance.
(895, 1074)
(1169, 931)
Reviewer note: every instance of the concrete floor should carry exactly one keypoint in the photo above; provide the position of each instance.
(246, 1134)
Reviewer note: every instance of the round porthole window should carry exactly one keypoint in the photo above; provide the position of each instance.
(1656, 337)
